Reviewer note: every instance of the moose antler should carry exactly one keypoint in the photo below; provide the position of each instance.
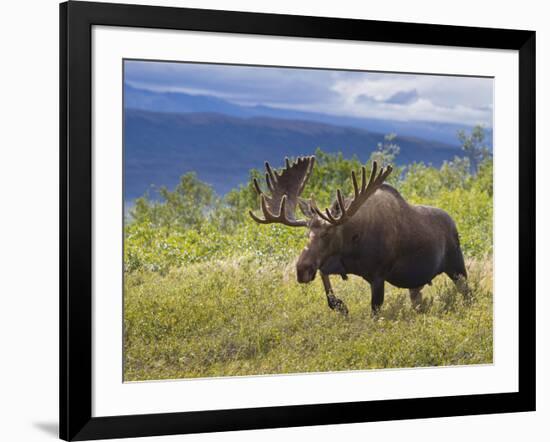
(360, 195)
(285, 188)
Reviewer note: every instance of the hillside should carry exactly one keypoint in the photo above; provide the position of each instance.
(221, 149)
(205, 297)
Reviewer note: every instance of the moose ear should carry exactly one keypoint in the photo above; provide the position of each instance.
(305, 208)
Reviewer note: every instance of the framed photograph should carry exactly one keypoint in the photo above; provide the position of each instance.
(272, 220)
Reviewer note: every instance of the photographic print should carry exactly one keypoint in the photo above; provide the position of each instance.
(284, 220)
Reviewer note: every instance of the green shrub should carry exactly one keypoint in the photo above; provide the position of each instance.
(199, 227)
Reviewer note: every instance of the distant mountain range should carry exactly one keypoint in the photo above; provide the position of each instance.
(179, 102)
(222, 148)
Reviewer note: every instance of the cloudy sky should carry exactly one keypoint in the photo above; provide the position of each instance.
(405, 97)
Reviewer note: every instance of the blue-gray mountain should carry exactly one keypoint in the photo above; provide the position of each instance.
(221, 149)
(178, 102)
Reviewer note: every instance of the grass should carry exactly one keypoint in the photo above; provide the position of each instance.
(249, 316)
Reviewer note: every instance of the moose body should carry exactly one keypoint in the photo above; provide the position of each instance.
(376, 235)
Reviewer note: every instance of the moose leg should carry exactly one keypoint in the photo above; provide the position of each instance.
(377, 295)
(416, 297)
(333, 302)
(456, 270)
(461, 284)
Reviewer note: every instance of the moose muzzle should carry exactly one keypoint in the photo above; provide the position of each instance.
(305, 272)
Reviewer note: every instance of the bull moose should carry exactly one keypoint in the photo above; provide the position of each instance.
(375, 234)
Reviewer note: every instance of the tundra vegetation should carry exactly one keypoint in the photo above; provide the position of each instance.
(209, 292)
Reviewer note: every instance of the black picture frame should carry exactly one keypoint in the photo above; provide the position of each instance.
(76, 21)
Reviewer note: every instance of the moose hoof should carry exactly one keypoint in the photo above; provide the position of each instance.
(337, 304)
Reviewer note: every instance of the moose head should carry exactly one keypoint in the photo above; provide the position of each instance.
(326, 228)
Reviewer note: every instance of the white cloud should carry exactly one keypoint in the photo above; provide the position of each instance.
(439, 98)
